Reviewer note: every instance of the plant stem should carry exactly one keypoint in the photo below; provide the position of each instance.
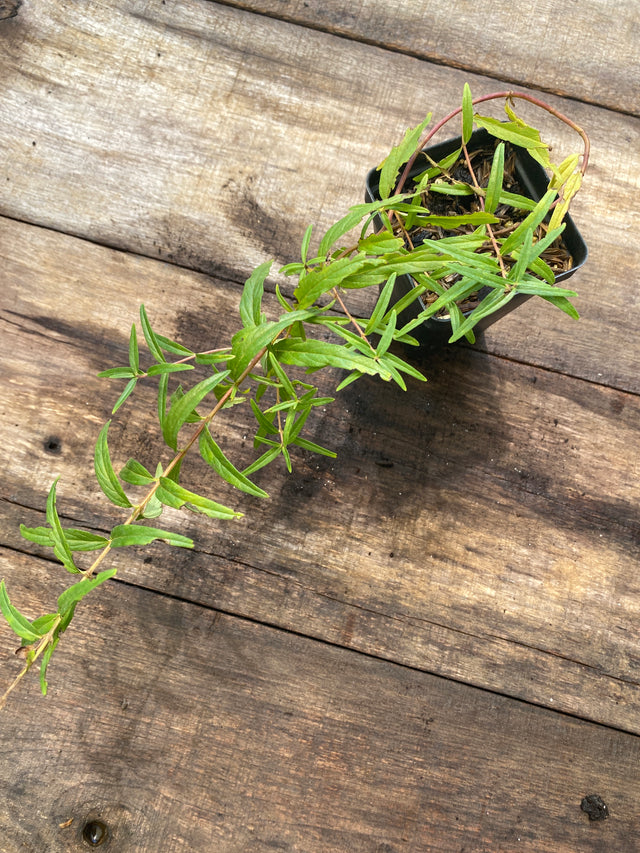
(492, 97)
(40, 648)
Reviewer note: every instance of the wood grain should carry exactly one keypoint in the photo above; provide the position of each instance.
(131, 124)
(482, 526)
(185, 729)
(587, 52)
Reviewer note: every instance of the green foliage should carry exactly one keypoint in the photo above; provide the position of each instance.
(271, 358)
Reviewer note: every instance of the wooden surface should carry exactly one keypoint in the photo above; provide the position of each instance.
(430, 644)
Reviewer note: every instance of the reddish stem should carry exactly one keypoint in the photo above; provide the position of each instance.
(492, 97)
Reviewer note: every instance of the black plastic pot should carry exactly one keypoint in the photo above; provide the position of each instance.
(436, 331)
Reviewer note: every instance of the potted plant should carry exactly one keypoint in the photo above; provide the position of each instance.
(499, 168)
(471, 262)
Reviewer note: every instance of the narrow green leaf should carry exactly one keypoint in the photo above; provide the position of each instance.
(525, 256)
(357, 213)
(536, 287)
(60, 546)
(530, 222)
(387, 337)
(264, 423)
(77, 540)
(306, 240)
(352, 377)
(467, 114)
(177, 496)
(318, 354)
(402, 365)
(18, 623)
(150, 337)
(166, 367)
(314, 448)
(163, 389)
(381, 305)
(134, 352)
(116, 373)
(518, 134)
(563, 304)
(213, 357)
(213, 456)
(455, 221)
(263, 460)
(184, 406)
(106, 476)
(136, 474)
(281, 375)
(252, 293)
(398, 156)
(282, 299)
(491, 303)
(71, 596)
(168, 345)
(128, 390)
(43, 624)
(323, 279)
(494, 187)
(44, 663)
(124, 535)
(380, 244)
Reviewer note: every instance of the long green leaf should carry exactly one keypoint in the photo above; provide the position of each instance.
(166, 367)
(128, 390)
(116, 373)
(530, 222)
(150, 337)
(44, 663)
(106, 476)
(517, 134)
(252, 293)
(176, 496)
(136, 474)
(305, 444)
(387, 336)
(263, 460)
(398, 156)
(77, 540)
(124, 535)
(134, 352)
(306, 240)
(213, 456)
(18, 623)
(563, 304)
(184, 406)
(323, 279)
(70, 597)
(356, 214)
(314, 354)
(494, 187)
(381, 305)
(467, 114)
(60, 546)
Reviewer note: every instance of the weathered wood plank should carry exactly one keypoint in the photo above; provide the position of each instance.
(206, 732)
(587, 52)
(131, 125)
(482, 527)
